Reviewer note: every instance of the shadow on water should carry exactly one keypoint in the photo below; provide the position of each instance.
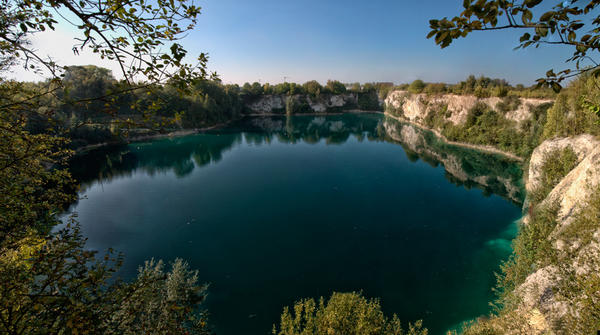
(494, 174)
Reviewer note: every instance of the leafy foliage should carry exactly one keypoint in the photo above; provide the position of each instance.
(128, 32)
(344, 313)
(335, 87)
(569, 23)
(416, 86)
(581, 289)
(50, 282)
(557, 164)
(53, 285)
(574, 110)
(486, 126)
(532, 250)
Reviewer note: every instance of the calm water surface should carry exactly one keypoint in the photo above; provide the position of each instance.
(271, 210)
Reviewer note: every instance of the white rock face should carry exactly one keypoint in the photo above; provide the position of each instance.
(415, 107)
(571, 194)
(582, 145)
(269, 104)
(575, 189)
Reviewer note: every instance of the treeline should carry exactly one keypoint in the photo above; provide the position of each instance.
(90, 106)
(313, 88)
(481, 87)
(574, 112)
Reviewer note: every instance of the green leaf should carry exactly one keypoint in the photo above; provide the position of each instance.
(526, 16)
(531, 3)
(556, 87)
(541, 31)
(546, 16)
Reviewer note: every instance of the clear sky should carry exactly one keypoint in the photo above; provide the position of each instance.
(364, 41)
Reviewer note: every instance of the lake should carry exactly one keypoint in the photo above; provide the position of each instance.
(271, 210)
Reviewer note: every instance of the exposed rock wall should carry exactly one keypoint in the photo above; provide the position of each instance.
(582, 145)
(539, 301)
(276, 103)
(415, 107)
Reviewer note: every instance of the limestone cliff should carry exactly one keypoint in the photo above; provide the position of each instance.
(305, 103)
(549, 295)
(416, 107)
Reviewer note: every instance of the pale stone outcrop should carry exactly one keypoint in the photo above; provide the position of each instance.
(267, 103)
(415, 107)
(582, 145)
(274, 103)
(570, 194)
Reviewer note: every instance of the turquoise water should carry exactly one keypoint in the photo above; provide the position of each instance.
(271, 210)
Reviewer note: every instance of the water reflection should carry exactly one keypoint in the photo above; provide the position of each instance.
(468, 168)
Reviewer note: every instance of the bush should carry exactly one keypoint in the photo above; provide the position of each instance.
(557, 164)
(581, 291)
(313, 88)
(508, 103)
(575, 110)
(368, 101)
(416, 86)
(532, 250)
(335, 87)
(344, 313)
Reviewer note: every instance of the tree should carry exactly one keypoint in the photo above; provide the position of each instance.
(313, 88)
(335, 87)
(344, 313)
(416, 86)
(574, 24)
(50, 283)
(132, 33)
(55, 286)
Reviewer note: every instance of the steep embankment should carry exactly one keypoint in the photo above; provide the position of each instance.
(556, 296)
(490, 124)
(551, 284)
(416, 107)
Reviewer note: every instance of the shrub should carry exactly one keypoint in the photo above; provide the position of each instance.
(575, 110)
(532, 250)
(344, 313)
(508, 103)
(416, 86)
(368, 101)
(335, 87)
(581, 290)
(313, 88)
(557, 164)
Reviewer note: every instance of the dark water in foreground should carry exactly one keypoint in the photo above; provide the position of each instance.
(272, 210)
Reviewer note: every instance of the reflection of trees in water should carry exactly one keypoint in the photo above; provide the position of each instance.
(333, 129)
(182, 155)
(492, 173)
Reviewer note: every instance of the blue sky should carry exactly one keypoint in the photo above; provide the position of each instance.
(364, 41)
(376, 40)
